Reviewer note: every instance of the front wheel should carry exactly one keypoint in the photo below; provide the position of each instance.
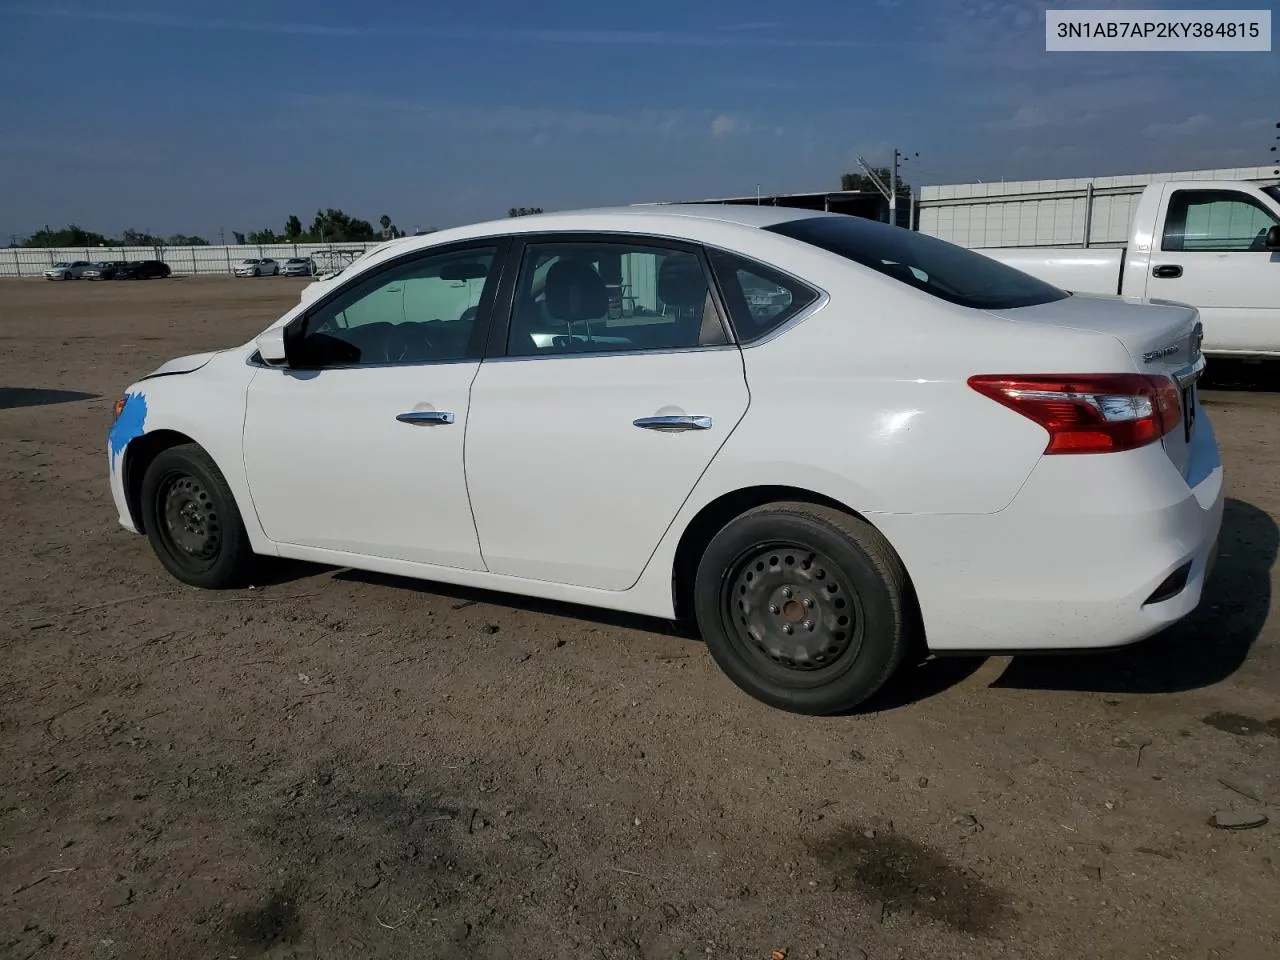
(804, 607)
(191, 519)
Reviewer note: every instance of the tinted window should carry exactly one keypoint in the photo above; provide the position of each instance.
(421, 311)
(1218, 221)
(934, 266)
(611, 296)
(759, 299)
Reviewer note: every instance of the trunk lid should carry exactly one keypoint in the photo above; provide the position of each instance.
(1162, 337)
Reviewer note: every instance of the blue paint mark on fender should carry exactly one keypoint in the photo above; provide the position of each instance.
(130, 425)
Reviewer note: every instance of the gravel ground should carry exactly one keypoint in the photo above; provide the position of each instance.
(338, 764)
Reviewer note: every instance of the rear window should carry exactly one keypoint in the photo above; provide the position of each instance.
(941, 269)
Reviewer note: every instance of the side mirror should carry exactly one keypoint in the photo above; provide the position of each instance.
(1273, 238)
(270, 345)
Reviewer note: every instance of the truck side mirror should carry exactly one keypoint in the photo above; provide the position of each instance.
(1273, 238)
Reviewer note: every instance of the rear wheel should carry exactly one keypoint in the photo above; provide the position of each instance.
(191, 519)
(804, 607)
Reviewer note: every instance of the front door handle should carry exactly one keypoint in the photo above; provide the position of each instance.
(1167, 271)
(425, 416)
(673, 424)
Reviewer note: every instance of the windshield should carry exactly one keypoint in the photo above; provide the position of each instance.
(934, 266)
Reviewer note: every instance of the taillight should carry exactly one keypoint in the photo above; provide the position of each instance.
(1092, 412)
(117, 410)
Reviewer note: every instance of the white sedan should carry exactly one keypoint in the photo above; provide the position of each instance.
(256, 267)
(829, 441)
(67, 270)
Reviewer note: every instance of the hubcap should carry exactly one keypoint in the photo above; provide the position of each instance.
(190, 518)
(792, 610)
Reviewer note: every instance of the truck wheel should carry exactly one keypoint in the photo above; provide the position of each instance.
(191, 519)
(804, 607)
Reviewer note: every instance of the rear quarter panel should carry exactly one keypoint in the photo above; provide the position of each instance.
(867, 401)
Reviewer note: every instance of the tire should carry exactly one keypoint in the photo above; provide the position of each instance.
(191, 519)
(804, 607)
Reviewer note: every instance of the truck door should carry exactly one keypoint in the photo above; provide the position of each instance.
(1212, 253)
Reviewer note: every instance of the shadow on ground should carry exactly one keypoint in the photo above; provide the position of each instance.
(12, 397)
(1253, 376)
(1204, 649)
(467, 596)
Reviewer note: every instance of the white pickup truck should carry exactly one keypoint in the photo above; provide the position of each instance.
(1213, 244)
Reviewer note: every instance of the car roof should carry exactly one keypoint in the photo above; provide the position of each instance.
(673, 218)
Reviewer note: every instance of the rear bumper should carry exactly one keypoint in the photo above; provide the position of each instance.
(1072, 562)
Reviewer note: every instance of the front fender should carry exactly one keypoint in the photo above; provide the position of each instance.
(206, 407)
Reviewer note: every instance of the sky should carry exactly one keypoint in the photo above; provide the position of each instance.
(195, 117)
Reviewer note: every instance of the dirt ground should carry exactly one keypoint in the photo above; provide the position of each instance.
(338, 764)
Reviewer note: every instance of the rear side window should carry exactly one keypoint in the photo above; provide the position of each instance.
(759, 299)
(938, 268)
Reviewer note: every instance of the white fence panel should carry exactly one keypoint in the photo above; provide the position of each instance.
(32, 261)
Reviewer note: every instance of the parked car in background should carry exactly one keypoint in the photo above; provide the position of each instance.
(828, 441)
(1214, 244)
(298, 267)
(263, 267)
(67, 270)
(102, 270)
(142, 270)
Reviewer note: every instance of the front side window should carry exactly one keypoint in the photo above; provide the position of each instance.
(421, 311)
(759, 299)
(1216, 221)
(926, 263)
(590, 297)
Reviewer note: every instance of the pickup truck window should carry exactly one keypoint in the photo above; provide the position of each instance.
(1216, 221)
(934, 266)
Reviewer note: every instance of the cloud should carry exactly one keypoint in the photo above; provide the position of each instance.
(537, 125)
(1197, 123)
(723, 125)
(746, 35)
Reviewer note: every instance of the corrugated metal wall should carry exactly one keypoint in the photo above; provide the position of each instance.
(32, 261)
(1031, 213)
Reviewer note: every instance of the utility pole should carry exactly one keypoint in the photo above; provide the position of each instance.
(899, 156)
(893, 189)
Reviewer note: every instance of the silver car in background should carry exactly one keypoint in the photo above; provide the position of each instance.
(298, 267)
(255, 267)
(67, 270)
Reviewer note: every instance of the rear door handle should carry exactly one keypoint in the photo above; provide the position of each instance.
(425, 416)
(1167, 271)
(673, 424)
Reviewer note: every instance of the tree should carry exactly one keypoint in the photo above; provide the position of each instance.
(523, 211)
(333, 225)
(860, 181)
(239, 237)
(137, 238)
(186, 240)
(69, 236)
(266, 235)
(293, 228)
(389, 229)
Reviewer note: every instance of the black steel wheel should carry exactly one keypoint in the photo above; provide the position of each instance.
(804, 607)
(794, 611)
(191, 519)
